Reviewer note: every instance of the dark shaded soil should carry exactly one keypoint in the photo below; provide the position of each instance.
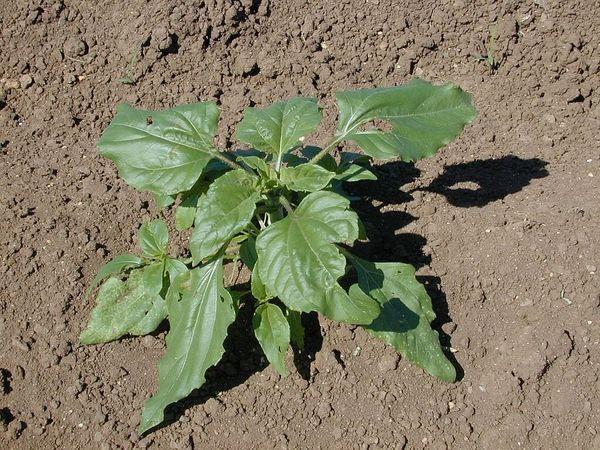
(504, 225)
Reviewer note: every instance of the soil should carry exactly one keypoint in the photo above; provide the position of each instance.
(503, 225)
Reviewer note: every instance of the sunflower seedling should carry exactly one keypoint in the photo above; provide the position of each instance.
(279, 207)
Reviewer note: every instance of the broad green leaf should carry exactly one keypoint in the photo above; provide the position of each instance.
(263, 168)
(280, 127)
(294, 319)
(299, 263)
(161, 151)
(249, 257)
(164, 200)
(248, 253)
(423, 118)
(406, 315)
(223, 211)
(273, 333)
(113, 267)
(153, 281)
(174, 268)
(154, 238)
(120, 306)
(200, 311)
(347, 158)
(306, 177)
(186, 212)
(354, 172)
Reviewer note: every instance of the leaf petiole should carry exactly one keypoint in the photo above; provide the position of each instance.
(286, 205)
(326, 150)
(221, 156)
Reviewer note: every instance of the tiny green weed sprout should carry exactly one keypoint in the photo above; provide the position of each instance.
(488, 50)
(280, 208)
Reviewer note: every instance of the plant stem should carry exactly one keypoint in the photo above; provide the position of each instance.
(278, 162)
(284, 202)
(326, 150)
(345, 252)
(220, 155)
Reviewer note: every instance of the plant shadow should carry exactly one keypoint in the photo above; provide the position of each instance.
(472, 184)
(479, 182)
(243, 358)
(379, 205)
(375, 199)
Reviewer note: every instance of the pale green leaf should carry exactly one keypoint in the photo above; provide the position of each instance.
(200, 311)
(280, 127)
(406, 315)
(120, 306)
(164, 200)
(263, 168)
(354, 172)
(299, 263)
(273, 334)
(113, 267)
(226, 208)
(153, 281)
(249, 257)
(154, 238)
(305, 177)
(174, 268)
(423, 118)
(161, 151)
(186, 212)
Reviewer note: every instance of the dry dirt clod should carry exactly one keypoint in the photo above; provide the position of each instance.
(388, 362)
(75, 47)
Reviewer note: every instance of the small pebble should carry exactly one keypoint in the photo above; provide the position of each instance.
(149, 341)
(388, 363)
(26, 81)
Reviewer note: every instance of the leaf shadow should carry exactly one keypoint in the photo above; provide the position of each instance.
(433, 286)
(386, 244)
(374, 206)
(313, 341)
(243, 358)
(479, 182)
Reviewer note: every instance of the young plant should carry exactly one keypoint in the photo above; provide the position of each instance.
(281, 209)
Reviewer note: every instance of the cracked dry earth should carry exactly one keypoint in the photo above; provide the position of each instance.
(503, 225)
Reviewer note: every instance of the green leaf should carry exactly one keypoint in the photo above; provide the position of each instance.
(273, 333)
(186, 212)
(280, 127)
(294, 319)
(153, 280)
(248, 253)
(164, 200)
(223, 211)
(423, 118)
(249, 257)
(200, 311)
(306, 177)
(154, 238)
(263, 169)
(354, 172)
(406, 315)
(161, 151)
(120, 306)
(299, 263)
(113, 267)
(174, 268)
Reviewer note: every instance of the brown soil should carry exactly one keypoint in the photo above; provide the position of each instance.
(504, 224)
